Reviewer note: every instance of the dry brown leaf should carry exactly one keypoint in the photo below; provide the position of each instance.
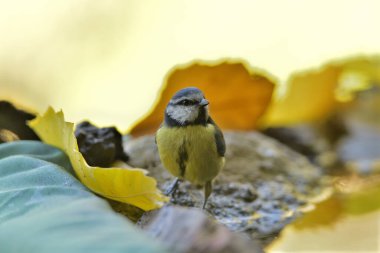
(238, 95)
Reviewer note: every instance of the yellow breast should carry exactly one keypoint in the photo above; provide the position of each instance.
(190, 152)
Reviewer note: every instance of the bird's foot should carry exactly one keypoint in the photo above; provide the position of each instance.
(173, 187)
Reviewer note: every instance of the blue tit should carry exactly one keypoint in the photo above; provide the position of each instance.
(191, 146)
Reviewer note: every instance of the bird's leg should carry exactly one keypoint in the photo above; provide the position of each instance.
(173, 187)
(208, 190)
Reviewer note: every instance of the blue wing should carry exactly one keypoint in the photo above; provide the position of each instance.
(219, 138)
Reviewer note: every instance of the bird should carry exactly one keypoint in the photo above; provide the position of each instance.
(190, 144)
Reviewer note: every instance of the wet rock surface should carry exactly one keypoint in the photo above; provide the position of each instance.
(300, 138)
(318, 141)
(263, 187)
(187, 230)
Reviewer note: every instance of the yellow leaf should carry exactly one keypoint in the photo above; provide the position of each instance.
(130, 186)
(313, 95)
(310, 96)
(358, 73)
(326, 213)
(360, 194)
(238, 94)
(364, 201)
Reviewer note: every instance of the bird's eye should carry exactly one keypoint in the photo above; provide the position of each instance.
(186, 102)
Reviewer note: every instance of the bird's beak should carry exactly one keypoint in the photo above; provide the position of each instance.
(203, 102)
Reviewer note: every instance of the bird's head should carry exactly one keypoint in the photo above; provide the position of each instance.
(187, 107)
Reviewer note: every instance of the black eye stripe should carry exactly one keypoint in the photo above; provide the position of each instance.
(186, 102)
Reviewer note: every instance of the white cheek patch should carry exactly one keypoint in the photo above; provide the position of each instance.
(182, 113)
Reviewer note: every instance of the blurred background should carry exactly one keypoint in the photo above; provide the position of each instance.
(106, 60)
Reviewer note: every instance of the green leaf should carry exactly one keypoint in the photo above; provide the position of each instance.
(43, 208)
